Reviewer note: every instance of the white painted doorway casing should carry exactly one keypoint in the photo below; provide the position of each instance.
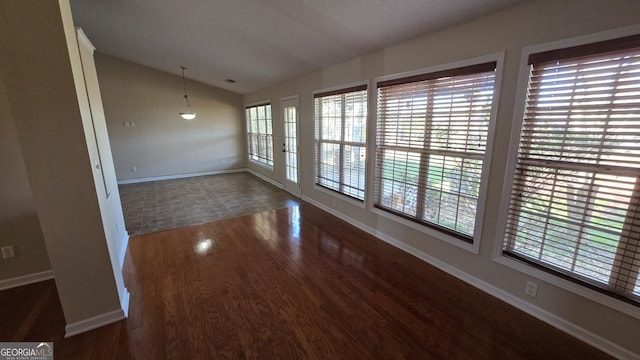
(290, 144)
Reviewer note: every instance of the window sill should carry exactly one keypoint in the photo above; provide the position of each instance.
(262, 165)
(472, 248)
(340, 196)
(593, 295)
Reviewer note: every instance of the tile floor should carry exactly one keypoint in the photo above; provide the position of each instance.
(161, 205)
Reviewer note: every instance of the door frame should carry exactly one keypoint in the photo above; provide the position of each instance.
(289, 186)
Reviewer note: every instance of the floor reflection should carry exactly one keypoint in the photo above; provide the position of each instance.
(294, 221)
(203, 246)
(338, 250)
(299, 283)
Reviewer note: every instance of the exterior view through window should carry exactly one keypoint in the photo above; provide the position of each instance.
(260, 134)
(431, 140)
(576, 192)
(340, 140)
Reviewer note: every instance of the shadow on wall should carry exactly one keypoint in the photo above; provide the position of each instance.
(23, 232)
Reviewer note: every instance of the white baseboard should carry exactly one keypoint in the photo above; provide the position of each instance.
(179, 176)
(26, 279)
(551, 319)
(94, 322)
(267, 179)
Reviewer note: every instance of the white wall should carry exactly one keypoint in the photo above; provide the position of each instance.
(162, 143)
(532, 23)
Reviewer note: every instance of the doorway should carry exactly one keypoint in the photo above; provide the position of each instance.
(290, 146)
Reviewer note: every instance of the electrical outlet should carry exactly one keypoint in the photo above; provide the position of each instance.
(8, 253)
(134, 169)
(531, 289)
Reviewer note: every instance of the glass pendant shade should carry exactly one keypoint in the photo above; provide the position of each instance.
(188, 116)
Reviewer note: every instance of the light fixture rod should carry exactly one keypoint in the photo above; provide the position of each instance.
(184, 82)
(186, 112)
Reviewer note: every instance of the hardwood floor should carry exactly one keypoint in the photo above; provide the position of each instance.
(293, 283)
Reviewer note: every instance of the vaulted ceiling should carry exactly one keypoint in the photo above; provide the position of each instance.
(261, 42)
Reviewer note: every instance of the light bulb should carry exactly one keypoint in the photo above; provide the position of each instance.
(188, 115)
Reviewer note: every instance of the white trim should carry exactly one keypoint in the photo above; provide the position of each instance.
(340, 87)
(537, 312)
(295, 192)
(341, 196)
(474, 248)
(124, 243)
(576, 288)
(291, 97)
(521, 93)
(440, 235)
(93, 323)
(246, 132)
(82, 36)
(258, 103)
(581, 40)
(263, 165)
(498, 56)
(512, 154)
(265, 178)
(335, 193)
(488, 154)
(179, 176)
(124, 302)
(25, 279)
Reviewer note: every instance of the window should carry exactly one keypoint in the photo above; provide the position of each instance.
(430, 144)
(341, 131)
(260, 134)
(574, 205)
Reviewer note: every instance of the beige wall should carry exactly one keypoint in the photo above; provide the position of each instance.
(19, 223)
(40, 64)
(162, 143)
(533, 23)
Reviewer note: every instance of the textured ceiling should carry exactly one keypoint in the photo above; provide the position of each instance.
(261, 42)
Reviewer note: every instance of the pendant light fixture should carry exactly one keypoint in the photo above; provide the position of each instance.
(186, 112)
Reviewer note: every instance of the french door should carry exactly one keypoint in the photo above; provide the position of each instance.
(290, 146)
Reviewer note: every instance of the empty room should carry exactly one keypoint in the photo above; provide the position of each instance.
(360, 179)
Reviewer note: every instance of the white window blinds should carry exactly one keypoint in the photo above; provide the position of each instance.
(576, 191)
(430, 145)
(340, 140)
(260, 134)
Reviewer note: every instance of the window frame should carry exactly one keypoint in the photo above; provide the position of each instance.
(269, 163)
(336, 90)
(561, 281)
(472, 246)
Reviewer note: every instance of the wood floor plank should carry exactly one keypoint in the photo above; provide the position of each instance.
(293, 283)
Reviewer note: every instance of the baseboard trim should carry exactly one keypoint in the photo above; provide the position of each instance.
(179, 176)
(265, 178)
(537, 312)
(93, 322)
(25, 279)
